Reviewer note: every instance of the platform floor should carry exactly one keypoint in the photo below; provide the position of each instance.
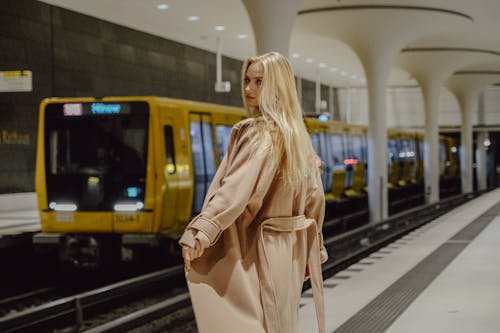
(17, 227)
(442, 277)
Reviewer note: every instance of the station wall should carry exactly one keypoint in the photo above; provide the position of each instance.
(71, 54)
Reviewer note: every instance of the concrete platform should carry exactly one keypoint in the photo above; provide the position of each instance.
(19, 219)
(443, 277)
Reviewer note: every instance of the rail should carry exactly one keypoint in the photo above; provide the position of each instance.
(344, 250)
(74, 305)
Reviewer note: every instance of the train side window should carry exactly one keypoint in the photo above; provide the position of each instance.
(168, 134)
(223, 133)
(337, 152)
(346, 141)
(315, 143)
(357, 148)
(203, 155)
(393, 155)
(327, 163)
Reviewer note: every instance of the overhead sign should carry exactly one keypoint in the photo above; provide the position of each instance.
(13, 81)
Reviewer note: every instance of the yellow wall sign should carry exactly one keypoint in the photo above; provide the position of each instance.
(14, 137)
(19, 80)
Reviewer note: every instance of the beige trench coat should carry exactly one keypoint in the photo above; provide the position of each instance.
(258, 235)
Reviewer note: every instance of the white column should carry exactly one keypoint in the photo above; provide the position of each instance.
(481, 161)
(377, 70)
(467, 87)
(431, 91)
(467, 104)
(272, 23)
(481, 148)
(377, 47)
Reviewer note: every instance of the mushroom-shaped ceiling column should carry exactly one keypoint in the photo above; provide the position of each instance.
(377, 33)
(467, 86)
(431, 67)
(272, 23)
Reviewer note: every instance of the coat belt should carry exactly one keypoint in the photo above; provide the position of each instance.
(290, 224)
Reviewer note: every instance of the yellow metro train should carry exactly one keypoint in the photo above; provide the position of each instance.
(118, 175)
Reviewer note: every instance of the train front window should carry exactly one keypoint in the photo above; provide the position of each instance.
(96, 156)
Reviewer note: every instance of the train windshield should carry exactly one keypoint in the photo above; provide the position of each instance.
(95, 154)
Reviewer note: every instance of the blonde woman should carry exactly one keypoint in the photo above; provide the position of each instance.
(259, 232)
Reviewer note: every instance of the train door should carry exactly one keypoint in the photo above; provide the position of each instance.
(168, 178)
(203, 157)
(393, 160)
(325, 153)
(349, 167)
(357, 161)
(443, 156)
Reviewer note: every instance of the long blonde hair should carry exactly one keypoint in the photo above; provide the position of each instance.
(279, 106)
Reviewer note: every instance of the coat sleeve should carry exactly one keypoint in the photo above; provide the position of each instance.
(315, 209)
(246, 178)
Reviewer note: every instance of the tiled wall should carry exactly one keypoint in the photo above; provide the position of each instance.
(71, 54)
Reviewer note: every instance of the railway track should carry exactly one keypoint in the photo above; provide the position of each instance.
(129, 304)
(15, 303)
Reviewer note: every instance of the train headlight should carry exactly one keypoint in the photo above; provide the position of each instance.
(62, 207)
(128, 207)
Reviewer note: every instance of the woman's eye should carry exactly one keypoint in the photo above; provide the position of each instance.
(247, 80)
(259, 82)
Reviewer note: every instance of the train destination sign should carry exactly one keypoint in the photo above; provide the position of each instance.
(16, 81)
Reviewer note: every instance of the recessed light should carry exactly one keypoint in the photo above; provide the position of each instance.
(333, 69)
(295, 55)
(242, 36)
(309, 60)
(193, 18)
(343, 73)
(219, 28)
(162, 6)
(322, 65)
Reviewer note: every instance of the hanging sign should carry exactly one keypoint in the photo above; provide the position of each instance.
(14, 81)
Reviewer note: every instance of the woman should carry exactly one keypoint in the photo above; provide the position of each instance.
(259, 231)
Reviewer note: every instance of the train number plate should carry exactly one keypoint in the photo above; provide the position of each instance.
(64, 216)
(126, 217)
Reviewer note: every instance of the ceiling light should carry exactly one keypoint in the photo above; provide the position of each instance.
(242, 36)
(193, 18)
(219, 28)
(353, 76)
(309, 60)
(162, 6)
(343, 73)
(295, 55)
(322, 65)
(333, 69)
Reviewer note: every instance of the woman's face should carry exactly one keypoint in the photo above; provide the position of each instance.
(253, 82)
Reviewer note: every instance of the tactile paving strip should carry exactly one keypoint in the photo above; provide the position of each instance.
(382, 311)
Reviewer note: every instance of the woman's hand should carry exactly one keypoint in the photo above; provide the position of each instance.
(189, 254)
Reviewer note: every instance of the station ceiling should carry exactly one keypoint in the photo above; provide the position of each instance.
(194, 22)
